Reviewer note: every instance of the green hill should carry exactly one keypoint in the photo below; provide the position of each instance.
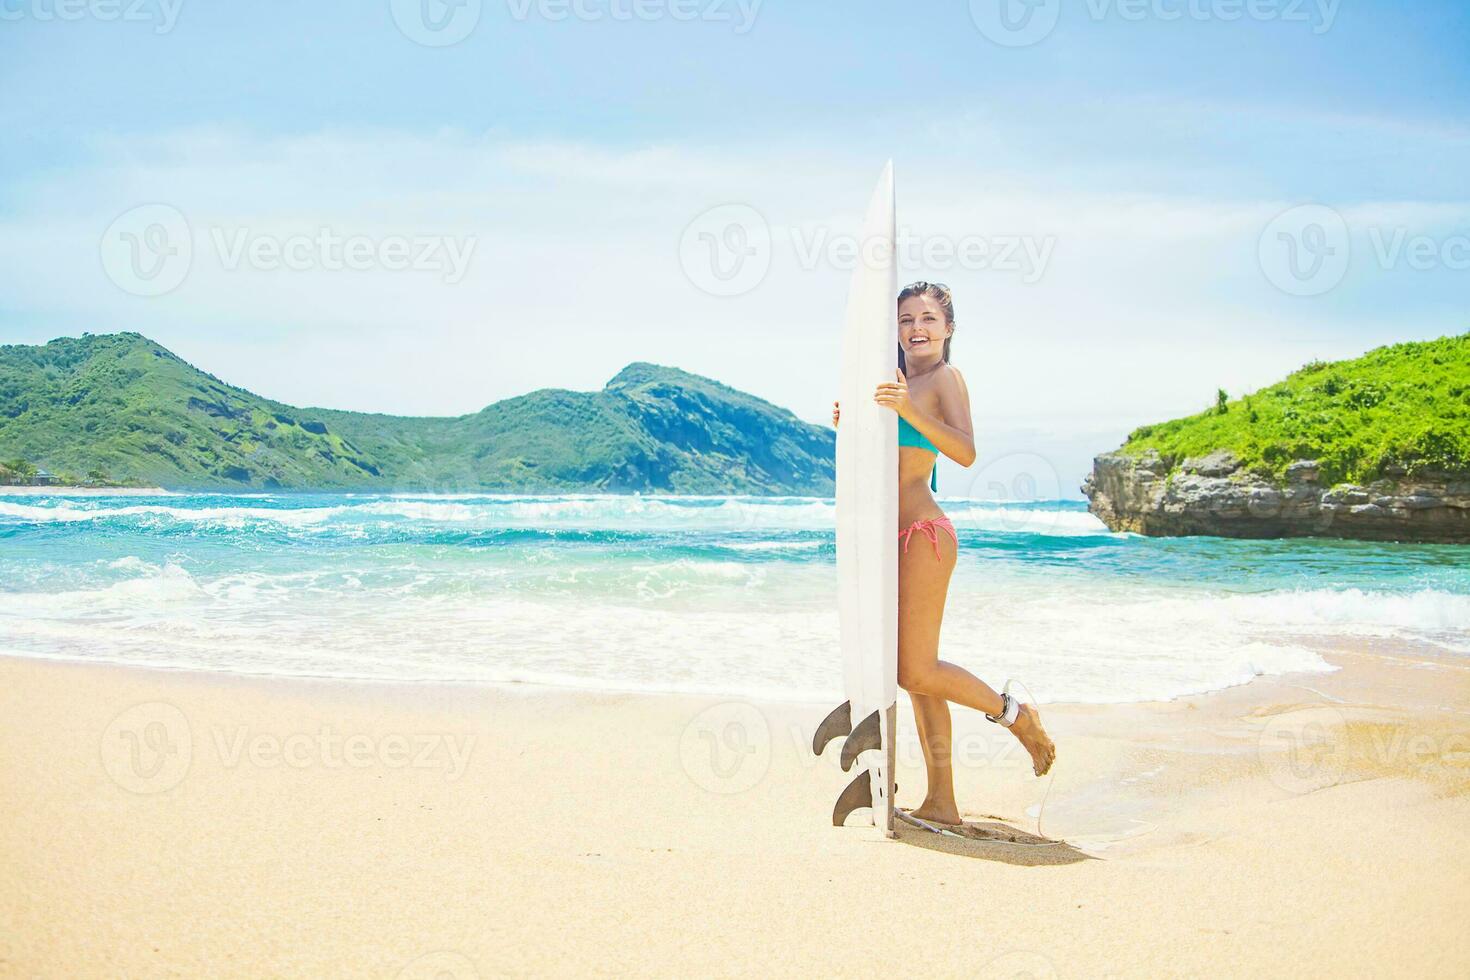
(1402, 408)
(120, 405)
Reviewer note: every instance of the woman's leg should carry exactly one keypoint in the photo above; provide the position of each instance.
(923, 585)
(923, 582)
(931, 717)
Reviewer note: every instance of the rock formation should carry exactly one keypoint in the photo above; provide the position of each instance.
(1214, 495)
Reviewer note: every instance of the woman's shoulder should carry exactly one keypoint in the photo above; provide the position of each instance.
(944, 372)
(949, 385)
(945, 376)
(949, 374)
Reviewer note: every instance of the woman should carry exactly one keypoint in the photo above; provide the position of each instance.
(933, 409)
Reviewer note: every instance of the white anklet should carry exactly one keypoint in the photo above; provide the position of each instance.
(1009, 712)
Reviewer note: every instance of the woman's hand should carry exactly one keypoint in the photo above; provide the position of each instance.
(895, 395)
(836, 410)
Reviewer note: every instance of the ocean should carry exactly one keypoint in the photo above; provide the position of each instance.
(716, 595)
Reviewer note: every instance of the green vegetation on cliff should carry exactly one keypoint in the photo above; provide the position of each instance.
(1402, 408)
(121, 405)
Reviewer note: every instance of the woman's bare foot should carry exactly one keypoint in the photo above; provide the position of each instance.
(1031, 735)
(938, 813)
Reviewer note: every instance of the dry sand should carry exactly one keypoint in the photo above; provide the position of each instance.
(159, 823)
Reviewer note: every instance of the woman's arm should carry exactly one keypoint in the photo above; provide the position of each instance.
(955, 441)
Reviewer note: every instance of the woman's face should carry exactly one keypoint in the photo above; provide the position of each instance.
(921, 325)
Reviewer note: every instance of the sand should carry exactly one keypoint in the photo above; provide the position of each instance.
(161, 823)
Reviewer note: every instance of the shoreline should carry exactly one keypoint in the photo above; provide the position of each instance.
(80, 491)
(497, 830)
(7, 490)
(829, 699)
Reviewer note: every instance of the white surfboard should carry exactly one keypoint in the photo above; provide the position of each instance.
(867, 515)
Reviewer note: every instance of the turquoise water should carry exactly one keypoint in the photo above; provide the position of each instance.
(709, 594)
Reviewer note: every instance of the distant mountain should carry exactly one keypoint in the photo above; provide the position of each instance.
(122, 407)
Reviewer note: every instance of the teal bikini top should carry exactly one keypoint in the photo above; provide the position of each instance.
(910, 436)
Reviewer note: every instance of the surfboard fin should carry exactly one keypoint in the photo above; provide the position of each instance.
(859, 793)
(838, 722)
(865, 736)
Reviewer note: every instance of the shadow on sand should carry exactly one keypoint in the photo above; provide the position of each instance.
(992, 840)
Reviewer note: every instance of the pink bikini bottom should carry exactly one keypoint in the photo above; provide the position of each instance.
(928, 528)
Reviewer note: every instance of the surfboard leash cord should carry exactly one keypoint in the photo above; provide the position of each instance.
(1051, 773)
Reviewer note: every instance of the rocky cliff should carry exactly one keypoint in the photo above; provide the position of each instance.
(1215, 495)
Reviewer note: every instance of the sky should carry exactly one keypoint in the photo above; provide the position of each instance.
(421, 207)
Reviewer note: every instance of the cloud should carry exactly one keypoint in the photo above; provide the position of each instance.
(1147, 301)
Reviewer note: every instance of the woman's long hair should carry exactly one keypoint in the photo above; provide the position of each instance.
(938, 292)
